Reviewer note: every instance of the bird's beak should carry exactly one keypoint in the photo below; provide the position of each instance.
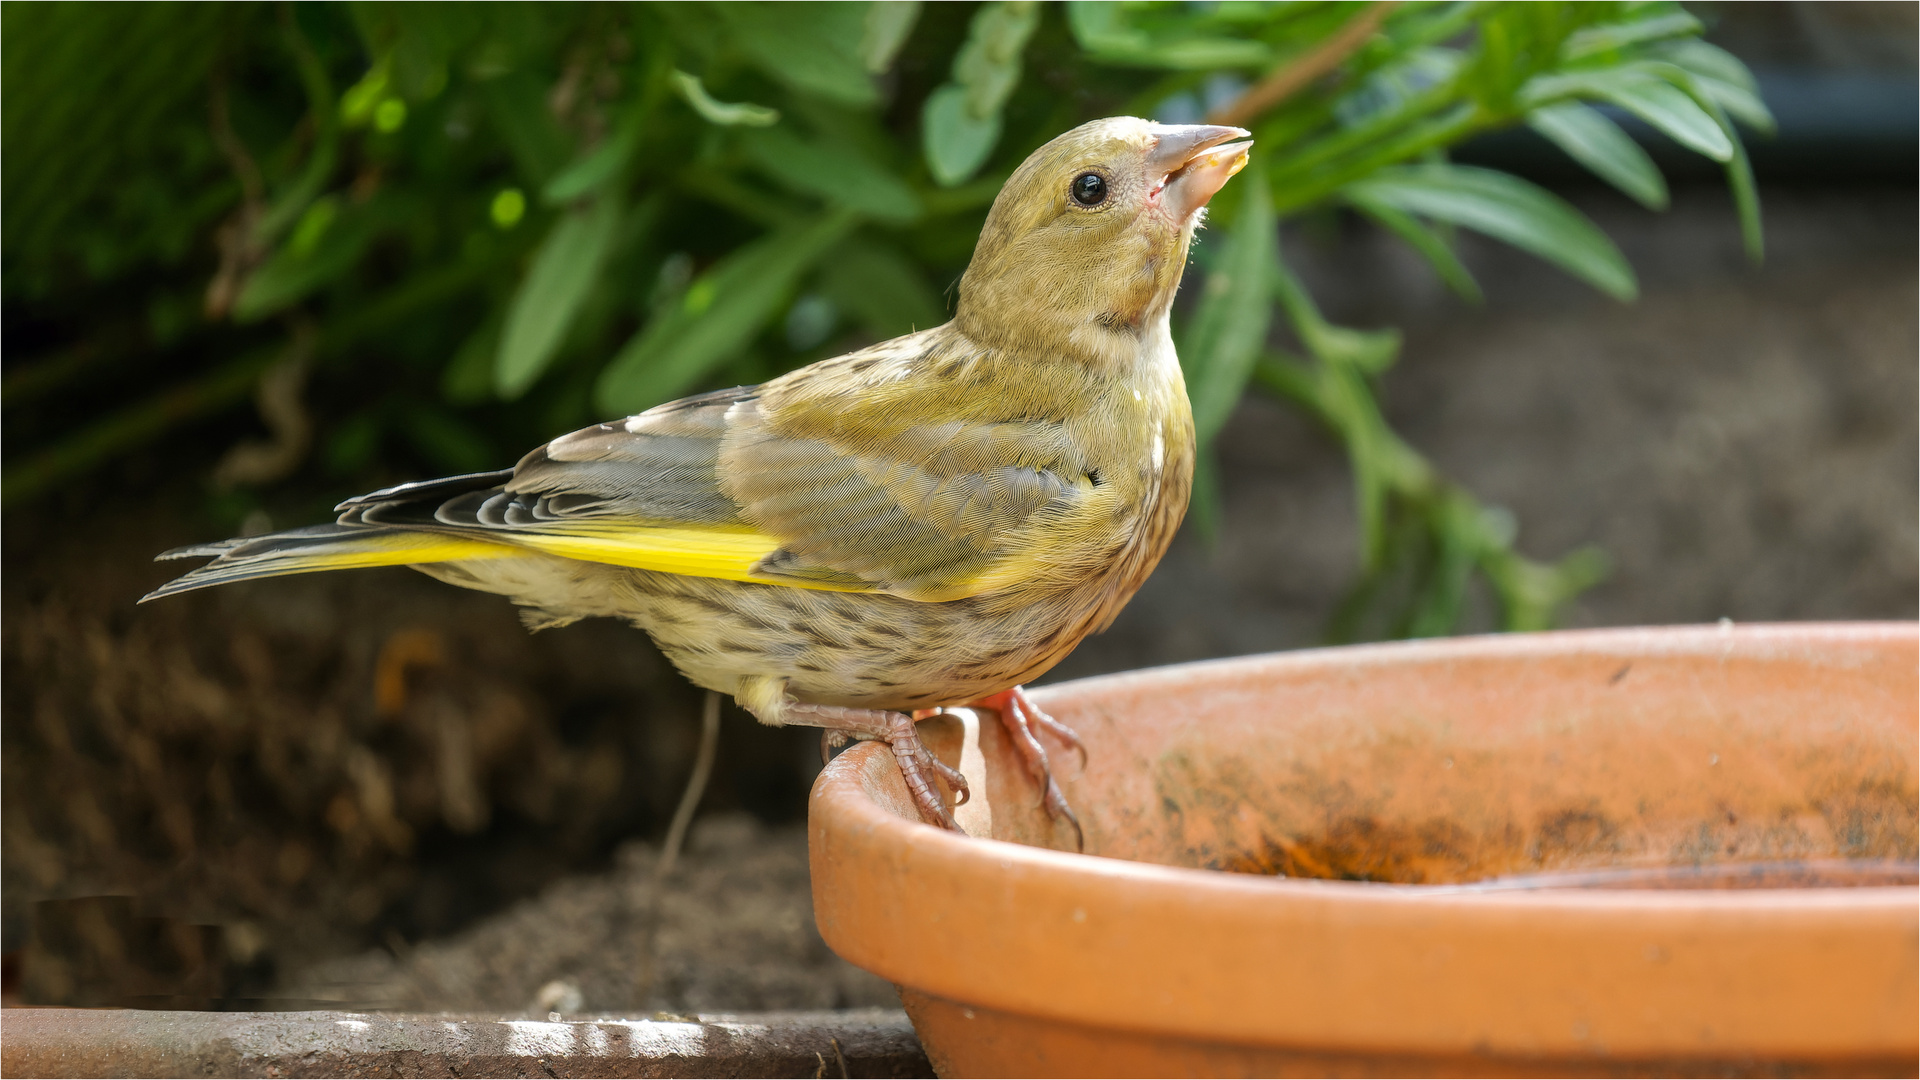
(1196, 161)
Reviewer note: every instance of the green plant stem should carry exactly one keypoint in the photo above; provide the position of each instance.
(1322, 58)
(1445, 130)
(1387, 468)
(1313, 155)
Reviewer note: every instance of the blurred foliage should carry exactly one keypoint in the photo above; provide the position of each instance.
(429, 236)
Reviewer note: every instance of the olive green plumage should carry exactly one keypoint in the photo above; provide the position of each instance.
(927, 521)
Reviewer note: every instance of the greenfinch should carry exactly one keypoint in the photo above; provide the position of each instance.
(931, 521)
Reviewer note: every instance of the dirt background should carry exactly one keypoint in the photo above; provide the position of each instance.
(371, 789)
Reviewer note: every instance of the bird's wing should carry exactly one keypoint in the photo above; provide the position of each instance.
(639, 492)
(926, 466)
(927, 512)
(734, 485)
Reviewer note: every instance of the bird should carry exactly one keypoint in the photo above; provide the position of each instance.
(929, 522)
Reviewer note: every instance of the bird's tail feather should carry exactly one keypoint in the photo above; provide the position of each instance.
(321, 547)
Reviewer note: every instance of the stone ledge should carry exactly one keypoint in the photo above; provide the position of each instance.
(126, 1042)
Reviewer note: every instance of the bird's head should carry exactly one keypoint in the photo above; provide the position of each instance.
(1084, 247)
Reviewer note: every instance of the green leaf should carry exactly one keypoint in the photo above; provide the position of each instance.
(1098, 25)
(357, 104)
(1594, 40)
(1746, 200)
(882, 288)
(87, 96)
(1400, 89)
(888, 24)
(725, 114)
(1646, 95)
(811, 46)
(1347, 405)
(1669, 109)
(1230, 328)
(1725, 79)
(590, 173)
(563, 273)
(468, 377)
(1453, 521)
(840, 174)
(1677, 102)
(1102, 29)
(1291, 378)
(1190, 54)
(957, 142)
(1744, 105)
(313, 226)
(960, 121)
(1709, 61)
(1506, 208)
(988, 65)
(1531, 592)
(720, 313)
(428, 33)
(324, 247)
(1430, 245)
(1598, 143)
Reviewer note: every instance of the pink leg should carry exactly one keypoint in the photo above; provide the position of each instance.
(1019, 715)
(917, 765)
(956, 782)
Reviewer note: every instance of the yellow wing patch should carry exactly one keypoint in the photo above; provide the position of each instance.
(712, 551)
(395, 549)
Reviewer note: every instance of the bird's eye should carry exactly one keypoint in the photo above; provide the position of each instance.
(1089, 189)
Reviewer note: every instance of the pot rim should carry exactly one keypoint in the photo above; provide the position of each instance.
(1356, 965)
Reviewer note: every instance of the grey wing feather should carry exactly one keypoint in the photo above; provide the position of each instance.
(201, 551)
(427, 490)
(250, 557)
(657, 466)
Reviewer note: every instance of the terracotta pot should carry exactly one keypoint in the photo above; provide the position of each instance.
(1609, 791)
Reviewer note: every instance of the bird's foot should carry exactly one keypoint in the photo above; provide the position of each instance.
(831, 740)
(1021, 716)
(917, 764)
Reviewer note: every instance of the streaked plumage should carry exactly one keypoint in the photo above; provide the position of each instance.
(930, 521)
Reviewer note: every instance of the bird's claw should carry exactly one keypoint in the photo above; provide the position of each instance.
(1057, 808)
(1054, 727)
(1019, 715)
(956, 782)
(831, 740)
(917, 764)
